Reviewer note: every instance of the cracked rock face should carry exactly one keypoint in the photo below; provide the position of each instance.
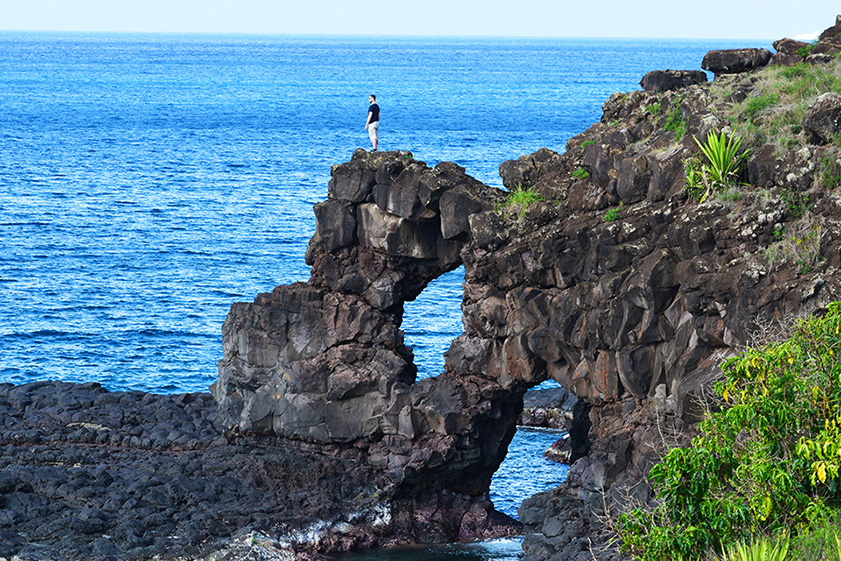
(323, 364)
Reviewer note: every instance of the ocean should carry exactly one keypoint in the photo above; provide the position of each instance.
(149, 181)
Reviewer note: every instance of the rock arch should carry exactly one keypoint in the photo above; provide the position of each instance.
(322, 365)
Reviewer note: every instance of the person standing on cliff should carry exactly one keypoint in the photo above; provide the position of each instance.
(372, 124)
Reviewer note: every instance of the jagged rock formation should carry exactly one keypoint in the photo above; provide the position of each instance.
(630, 309)
(323, 365)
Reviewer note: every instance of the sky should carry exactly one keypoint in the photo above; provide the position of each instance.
(713, 19)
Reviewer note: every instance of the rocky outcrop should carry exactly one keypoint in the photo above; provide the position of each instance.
(732, 61)
(823, 118)
(659, 81)
(548, 408)
(92, 475)
(829, 42)
(323, 366)
(789, 52)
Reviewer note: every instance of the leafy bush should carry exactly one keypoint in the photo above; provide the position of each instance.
(800, 244)
(830, 172)
(804, 51)
(654, 108)
(588, 142)
(612, 213)
(796, 203)
(522, 198)
(796, 71)
(818, 543)
(581, 173)
(754, 469)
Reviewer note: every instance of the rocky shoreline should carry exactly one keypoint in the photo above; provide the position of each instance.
(87, 474)
(318, 437)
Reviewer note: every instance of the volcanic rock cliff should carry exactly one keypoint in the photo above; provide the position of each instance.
(617, 284)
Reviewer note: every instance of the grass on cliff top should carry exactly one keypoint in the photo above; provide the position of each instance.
(774, 109)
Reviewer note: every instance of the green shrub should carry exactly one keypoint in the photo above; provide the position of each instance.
(694, 180)
(654, 108)
(818, 543)
(796, 71)
(674, 118)
(724, 159)
(521, 198)
(613, 213)
(796, 203)
(588, 142)
(754, 468)
(581, 173)
(800, 244)
(804, 51)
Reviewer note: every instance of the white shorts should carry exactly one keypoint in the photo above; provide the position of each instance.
(373, 130)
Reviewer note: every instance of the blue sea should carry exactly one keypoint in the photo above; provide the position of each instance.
(147, 182)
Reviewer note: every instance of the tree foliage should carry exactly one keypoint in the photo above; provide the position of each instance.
(766, 463)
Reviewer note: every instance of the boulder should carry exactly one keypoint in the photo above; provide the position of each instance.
(823, 118)
(516, 173)
(789, 52)
(658, 81)
(733, 61)
(790, 46)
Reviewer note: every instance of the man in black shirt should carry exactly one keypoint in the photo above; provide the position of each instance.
(372, 125)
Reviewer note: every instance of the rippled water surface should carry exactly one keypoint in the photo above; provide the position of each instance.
(149, 181)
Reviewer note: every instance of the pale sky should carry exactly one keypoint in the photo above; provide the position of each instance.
(729, 19)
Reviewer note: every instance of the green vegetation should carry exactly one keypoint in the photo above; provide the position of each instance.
(674, 118)
(731, 195)
(581, 173)
(774, 111)
(521, 198)
(829, 172)
(762, 549)
(654, 108)
(613, 213)
(766, 463)
(588, 142)
(800, 244)
(719, 174)
(818, 543)
(796, 203)
(754, 105)
(805, 51)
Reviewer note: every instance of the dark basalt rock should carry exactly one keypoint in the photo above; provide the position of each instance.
(823, 118)
(323, 364)
(789, 46)
(732, 61)
(659, 81)
(789, 52)
(87, 474)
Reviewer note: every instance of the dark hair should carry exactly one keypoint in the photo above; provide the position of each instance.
(375, 97)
